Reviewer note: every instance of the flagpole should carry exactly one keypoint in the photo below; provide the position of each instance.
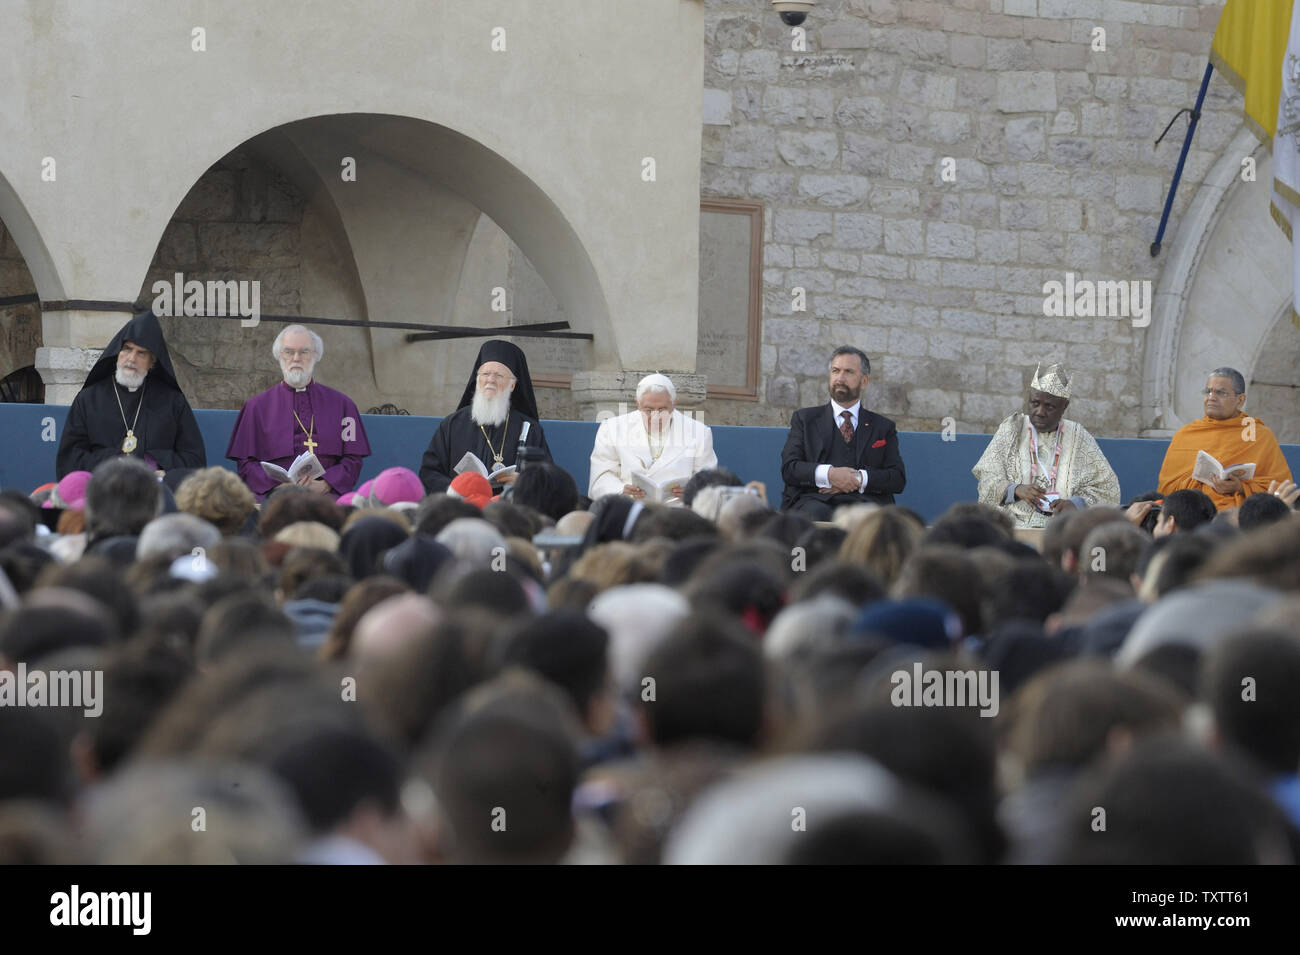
(1182, 158)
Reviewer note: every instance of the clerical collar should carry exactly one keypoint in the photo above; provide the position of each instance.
(296, 390)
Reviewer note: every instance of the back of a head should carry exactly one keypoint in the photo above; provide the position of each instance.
(123, 495)
(333, 771)
(1179, 560)
(744, 589)
(472, 540)
(1251, 682)
(568, 649)
(672, 523)
(546, 488)
(172, 535)
(504, 778)
(1169, 802)
(304, 564)
(1189, 508)
(637, 617)
(139, 681)
(1261, 509)
(1029, 589)
(31, 632)
(239, 621)
(512, 519)
(143, 816)
(1269, 556)
(734, 517)
(948, 751)
(850, 582)
(1112, 550)
(966, 531)
(1064, 717)
(438, 510)
(706, 683)
(288, 506)
(949, 574)
(498, 591)
(217, 495)
(101, 579)
(1077, 529)
(34, 763)
(709, 477)
(882, 541)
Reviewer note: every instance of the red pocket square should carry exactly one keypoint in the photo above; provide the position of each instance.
(879, 444)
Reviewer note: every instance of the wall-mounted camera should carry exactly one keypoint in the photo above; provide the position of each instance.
(793, 12)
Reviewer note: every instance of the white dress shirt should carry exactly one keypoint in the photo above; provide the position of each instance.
(822, 478)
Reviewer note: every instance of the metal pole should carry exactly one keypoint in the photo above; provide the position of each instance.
(1182, 158)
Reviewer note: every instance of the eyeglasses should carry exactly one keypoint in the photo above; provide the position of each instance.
(1218, 393)
(288, 354)
(493, 376)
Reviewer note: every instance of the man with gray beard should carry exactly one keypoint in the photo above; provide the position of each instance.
(496, 408)
(296, 415)
(131, 405)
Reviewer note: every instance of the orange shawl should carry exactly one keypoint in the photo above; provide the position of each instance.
(1228, 440)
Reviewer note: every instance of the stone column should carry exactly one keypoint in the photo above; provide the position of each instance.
(614, 392)
(73, 342)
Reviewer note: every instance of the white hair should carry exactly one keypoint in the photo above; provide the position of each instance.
(472, 540)
(317, 342)
(638, 617)
(657, 382)
(175, 534)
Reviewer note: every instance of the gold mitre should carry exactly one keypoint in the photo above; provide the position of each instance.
(1054, 381)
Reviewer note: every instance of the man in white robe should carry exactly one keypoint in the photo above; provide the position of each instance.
(654, 445)
(1039, 464)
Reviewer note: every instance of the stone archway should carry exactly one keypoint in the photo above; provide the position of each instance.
(1227, 279)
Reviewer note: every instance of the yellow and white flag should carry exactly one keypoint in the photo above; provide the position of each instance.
(1249, 41)
(1286, 155)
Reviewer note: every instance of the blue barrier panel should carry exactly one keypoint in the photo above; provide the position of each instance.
(938, 471)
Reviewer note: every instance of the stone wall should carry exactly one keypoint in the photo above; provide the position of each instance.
(942, 282)
(20, 325)
(240, 221)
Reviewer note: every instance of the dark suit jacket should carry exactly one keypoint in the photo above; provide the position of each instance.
(809, 444)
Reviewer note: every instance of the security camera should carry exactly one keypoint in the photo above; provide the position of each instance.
(793, 12)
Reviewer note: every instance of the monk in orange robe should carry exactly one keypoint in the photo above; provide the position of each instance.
(1232, 437)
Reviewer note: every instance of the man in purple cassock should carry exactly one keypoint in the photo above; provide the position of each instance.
(297, 415)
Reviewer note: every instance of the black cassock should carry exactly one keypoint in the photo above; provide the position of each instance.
(165, 428)
(457, 433)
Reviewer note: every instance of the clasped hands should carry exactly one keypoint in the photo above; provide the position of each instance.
(843, 481)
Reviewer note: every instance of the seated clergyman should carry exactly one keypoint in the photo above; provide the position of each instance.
(656, 442)
(497, 406)
(295, 415)
(1040, 464)
(132, 405)
(1230, 436)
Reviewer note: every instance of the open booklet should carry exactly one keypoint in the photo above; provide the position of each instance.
(657, 491)
(1208, 468)
(472, 462)
(305, 463)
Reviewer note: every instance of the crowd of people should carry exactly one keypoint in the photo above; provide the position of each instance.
(549, 679)
(197, 667)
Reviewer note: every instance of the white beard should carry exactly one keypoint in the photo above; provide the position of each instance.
(297, 378)
(490, 411)
(128, 380)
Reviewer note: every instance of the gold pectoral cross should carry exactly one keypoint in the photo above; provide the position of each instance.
(309, 444)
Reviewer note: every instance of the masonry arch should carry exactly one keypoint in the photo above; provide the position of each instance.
(1224, 298)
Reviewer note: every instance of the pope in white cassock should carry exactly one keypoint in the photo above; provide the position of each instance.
(655, 448)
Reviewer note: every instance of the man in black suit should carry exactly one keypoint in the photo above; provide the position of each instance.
(841, 454)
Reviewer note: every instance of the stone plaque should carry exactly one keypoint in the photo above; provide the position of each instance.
(727, 336)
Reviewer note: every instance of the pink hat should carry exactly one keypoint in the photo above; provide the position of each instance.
(396, 485)
(345, 500)
(70, 493)
(473, 487)
(364, 490)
